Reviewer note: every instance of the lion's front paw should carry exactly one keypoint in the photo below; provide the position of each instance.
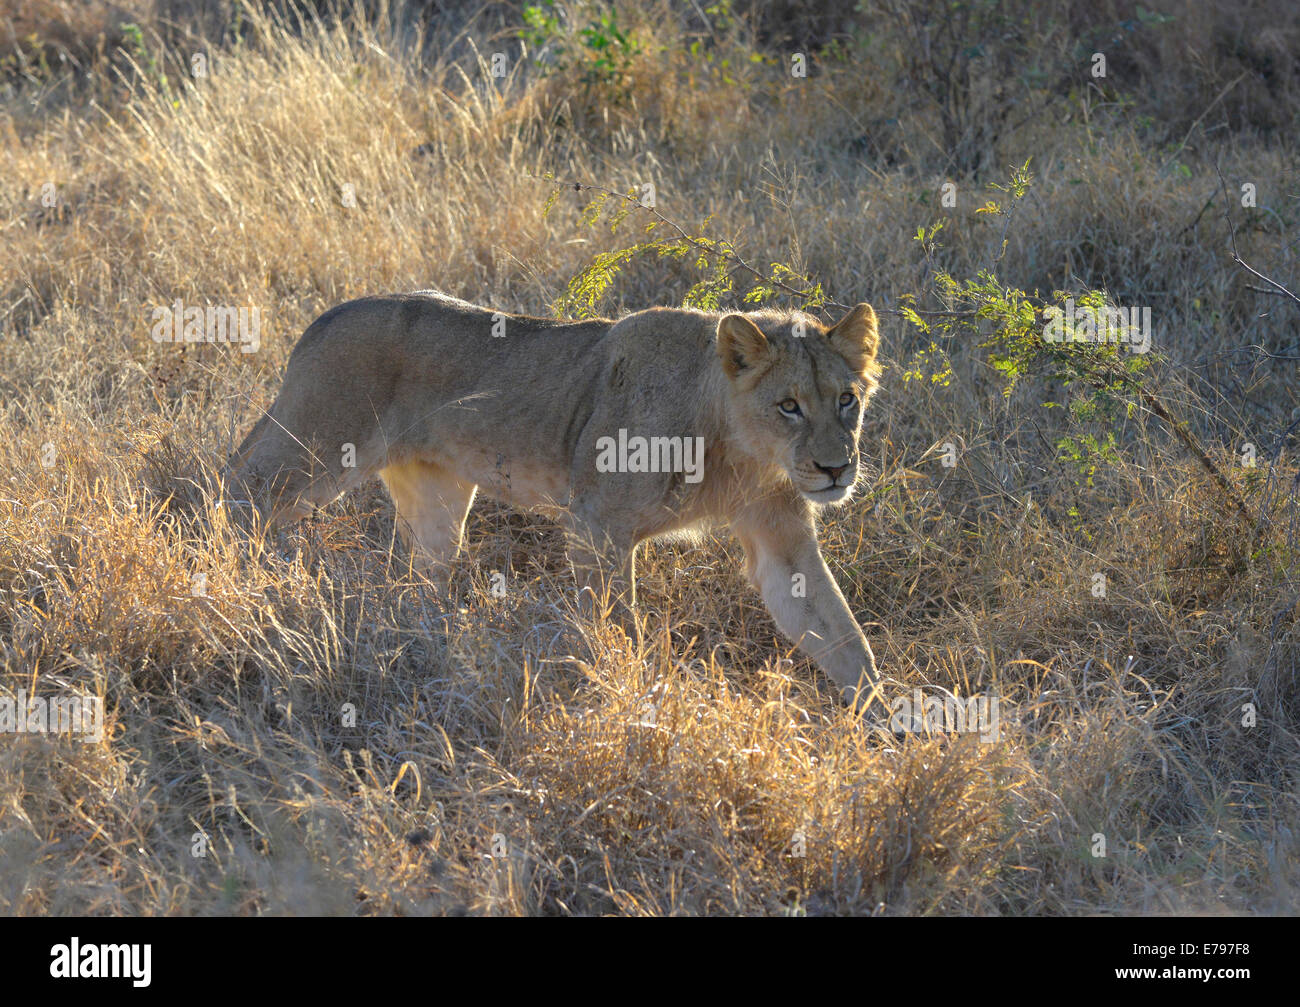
(868, 702)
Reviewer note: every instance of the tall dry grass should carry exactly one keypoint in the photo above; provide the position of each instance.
(507, 756)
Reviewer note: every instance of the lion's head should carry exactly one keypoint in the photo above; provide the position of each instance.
(797, 392)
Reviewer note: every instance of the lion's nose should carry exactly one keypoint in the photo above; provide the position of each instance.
(834, 471)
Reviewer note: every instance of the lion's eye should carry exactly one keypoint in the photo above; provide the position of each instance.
(790, 407)
(847, 399)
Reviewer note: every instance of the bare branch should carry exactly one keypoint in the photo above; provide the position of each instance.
(1236, 256)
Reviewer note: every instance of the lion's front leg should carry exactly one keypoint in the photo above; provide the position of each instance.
(604, 565)
(785, 564)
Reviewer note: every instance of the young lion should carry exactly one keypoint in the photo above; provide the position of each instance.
(660, 422)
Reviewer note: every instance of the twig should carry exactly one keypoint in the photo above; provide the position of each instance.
(1156, 406)
(1208, 200)
(1179, 149)
(1236, 257)
(1265, 290)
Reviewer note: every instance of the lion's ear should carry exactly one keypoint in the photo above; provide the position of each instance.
(742, 346)
(857, 338)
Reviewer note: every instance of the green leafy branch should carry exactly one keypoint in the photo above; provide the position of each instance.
(602, 50)
(1077, 339)
(715, 258)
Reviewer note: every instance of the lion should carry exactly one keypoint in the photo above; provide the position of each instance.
(660, 423)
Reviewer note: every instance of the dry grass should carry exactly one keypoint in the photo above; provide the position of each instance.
(507, 757)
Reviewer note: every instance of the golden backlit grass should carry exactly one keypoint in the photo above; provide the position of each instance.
(343, 743)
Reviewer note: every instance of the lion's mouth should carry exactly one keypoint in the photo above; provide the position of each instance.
(830, 493)
(837, 487)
